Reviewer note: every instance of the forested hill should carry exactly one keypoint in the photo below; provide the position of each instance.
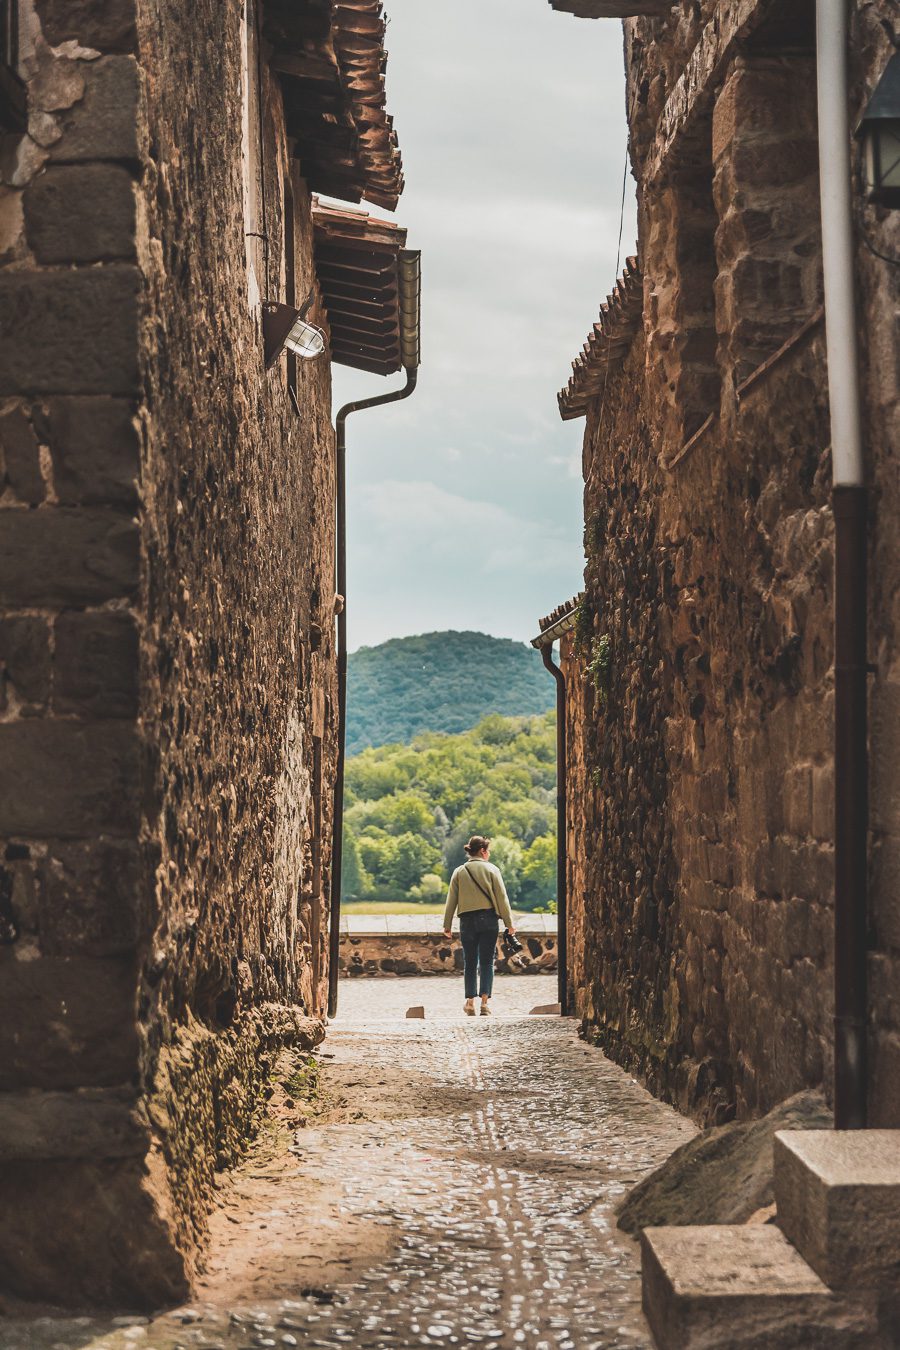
(440, 682)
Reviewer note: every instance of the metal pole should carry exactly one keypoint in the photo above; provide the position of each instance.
(340, 424)
(562, 973)
(850, 609)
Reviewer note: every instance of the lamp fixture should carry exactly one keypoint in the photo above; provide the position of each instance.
(879, 129)
(285, 329)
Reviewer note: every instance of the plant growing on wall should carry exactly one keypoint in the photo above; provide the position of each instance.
(600, 667)
(584, 624)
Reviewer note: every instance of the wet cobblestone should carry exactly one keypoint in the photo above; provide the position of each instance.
(501, 1209)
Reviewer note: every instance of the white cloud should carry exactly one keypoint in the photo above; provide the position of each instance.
(511, 123)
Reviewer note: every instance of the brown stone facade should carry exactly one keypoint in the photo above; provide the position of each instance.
(168, 718)
(699, 672)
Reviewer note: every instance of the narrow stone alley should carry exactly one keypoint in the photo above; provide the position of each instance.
(457, 1187)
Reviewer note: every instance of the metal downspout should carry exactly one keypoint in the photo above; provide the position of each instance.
(334, 921)
(850, 563)
(562, 972)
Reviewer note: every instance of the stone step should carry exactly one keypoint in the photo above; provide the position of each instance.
(743, 1287)
(838, 1198)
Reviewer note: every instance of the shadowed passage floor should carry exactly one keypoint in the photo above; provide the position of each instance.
(455, 1186)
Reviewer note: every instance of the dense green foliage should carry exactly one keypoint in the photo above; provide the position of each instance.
(440, 682)
(410, 808)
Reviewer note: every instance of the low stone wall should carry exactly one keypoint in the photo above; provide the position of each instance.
(401, 945)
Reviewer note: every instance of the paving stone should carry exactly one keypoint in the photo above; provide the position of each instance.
(503, 1205)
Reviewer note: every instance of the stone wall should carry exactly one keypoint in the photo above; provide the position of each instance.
(701, 781)
(167, 732)
(408, 949)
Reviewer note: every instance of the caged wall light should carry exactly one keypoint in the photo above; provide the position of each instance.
(879, 129)
(285, 329)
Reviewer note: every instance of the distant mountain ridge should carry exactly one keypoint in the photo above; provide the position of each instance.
(440, 682)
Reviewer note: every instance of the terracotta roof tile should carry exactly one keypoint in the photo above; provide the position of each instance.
(558, 621)
(356, 266)
(607, 343)
(331, 60)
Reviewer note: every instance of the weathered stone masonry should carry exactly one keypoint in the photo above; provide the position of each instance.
(167, 731)
(701, 781)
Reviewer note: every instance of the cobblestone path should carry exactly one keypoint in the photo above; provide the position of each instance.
(493, 1195)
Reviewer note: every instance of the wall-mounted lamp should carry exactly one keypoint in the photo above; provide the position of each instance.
(879, 129)
(285, 329)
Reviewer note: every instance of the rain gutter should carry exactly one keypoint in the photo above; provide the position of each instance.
(409, 282)
(544, 644)
(850, 564)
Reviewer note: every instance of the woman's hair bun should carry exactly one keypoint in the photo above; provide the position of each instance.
(476, 844)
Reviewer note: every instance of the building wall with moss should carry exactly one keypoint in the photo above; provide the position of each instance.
(700, 675)
(168, 732)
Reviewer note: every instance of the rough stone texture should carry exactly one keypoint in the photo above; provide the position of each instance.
(724, 1175)
(95, 664)
(94, 449)
(107, 27)
(107, 121)
(69, 332)
(63, 557)
(167, 691)
(742, 1287)
(81, 214)
(432, 954)
(701, 771)
(838, 1199)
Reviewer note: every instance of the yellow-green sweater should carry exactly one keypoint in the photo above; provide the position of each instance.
(465, 896)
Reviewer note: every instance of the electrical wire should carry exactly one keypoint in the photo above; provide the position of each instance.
(618, 256)
(885, 257)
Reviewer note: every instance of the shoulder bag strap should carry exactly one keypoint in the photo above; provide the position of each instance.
(480, 887)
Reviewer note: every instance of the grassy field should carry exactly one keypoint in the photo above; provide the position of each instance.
(398, 907)
(388, 907)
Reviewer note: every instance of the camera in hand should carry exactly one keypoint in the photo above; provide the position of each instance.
(510, 944)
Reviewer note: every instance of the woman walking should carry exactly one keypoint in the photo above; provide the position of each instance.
(478, 893)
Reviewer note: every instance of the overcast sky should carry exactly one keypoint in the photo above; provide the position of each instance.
(464, 501)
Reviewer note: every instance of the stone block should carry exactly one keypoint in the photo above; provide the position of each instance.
(88, 898)
(68, 779)
(21, 456)
(838, 1197)
(95, 665)
(95, 450)
(742, 1286)
(66, 556)
(823, 801)
(81, 213)
(761, 103)
(87, 1123)
(25, 659)
(116, 1247)
(107, 122)
(66, 1022)
(105, 25)
(73, 332)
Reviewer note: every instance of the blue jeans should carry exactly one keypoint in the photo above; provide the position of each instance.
(478, 931)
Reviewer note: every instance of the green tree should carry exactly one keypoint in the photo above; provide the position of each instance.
(413, 858)
(355, 880)
(539, 871)
(430, 889)
(508, 855)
